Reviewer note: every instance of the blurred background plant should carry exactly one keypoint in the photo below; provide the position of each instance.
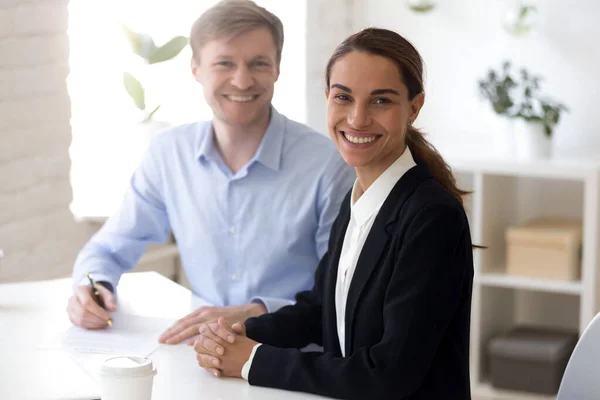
(144, 46)
(518, 96)
(421, 6)
(521, 18)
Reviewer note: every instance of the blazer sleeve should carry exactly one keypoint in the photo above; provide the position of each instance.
(422, 297)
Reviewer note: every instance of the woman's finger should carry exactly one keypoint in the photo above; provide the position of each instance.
(207, 361)
(222, 330)
(206, 331)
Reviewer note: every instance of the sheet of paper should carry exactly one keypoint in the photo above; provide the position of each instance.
(129, 335)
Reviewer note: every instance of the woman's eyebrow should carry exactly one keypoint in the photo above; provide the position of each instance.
(385, 91)
(374, 92)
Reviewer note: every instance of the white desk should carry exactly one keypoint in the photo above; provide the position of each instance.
(28, 311)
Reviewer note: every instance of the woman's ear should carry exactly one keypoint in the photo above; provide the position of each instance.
(415, 106)
(326, 93)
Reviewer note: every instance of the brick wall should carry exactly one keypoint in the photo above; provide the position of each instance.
(37, 232)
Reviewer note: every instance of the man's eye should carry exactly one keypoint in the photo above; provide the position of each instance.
(224, 63)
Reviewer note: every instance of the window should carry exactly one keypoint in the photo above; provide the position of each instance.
(105, 149)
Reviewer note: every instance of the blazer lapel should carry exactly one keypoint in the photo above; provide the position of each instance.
(377, 241)
(330, 321)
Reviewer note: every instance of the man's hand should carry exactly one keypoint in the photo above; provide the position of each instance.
(85, 312)
(222, 349)
(187, 328)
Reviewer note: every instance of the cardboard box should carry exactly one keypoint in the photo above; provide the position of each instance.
(546, 248)
(530, 359)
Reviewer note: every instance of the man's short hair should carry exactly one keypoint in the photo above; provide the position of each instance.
(231, 18)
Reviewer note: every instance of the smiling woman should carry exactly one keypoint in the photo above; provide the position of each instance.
(392, 295)
(368, 112)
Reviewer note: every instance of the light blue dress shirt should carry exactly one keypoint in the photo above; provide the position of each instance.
(256, 235)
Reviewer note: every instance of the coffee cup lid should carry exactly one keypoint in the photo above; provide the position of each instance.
(127, 366)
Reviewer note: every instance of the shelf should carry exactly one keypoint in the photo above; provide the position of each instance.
(570, 169)
(485, 391)
(499, 279)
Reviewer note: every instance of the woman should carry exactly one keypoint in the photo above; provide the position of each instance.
(391, 299)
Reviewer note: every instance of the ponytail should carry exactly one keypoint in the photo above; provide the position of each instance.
(426, 153)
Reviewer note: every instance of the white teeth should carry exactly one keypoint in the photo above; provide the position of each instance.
(359, 140)
(241, 99)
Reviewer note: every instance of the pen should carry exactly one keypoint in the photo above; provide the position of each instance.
(97, 296)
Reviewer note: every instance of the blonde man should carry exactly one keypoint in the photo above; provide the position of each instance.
(250, 196)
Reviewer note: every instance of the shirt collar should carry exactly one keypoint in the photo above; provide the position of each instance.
(268, 153)
(270, 149)
(364, 205)
(205, 143)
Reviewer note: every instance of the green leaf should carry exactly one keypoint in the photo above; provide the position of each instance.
(151, 114)
(524, 10)
(141, 44)
(135, 90)
(169, 50)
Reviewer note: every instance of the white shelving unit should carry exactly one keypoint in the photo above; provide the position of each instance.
(505, 193)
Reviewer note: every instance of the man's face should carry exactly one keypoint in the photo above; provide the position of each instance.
(238, 76)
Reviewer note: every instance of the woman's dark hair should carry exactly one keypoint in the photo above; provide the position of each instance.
(394, 47)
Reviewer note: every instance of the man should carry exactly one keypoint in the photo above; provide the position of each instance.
(250, 196)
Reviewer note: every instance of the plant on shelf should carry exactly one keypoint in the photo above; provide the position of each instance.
(517, 96)
(143, 45)
(519, 20)
(421, 6)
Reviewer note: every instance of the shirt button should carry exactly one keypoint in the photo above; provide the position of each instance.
(234, 277)
(232, 229)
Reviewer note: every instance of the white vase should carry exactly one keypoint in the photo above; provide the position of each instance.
(531, 140)
(143, 132)
(504, 137)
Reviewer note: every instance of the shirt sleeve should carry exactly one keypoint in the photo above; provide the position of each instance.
(248, 364)
(141, 220)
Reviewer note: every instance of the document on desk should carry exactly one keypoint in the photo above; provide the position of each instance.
(129, 335)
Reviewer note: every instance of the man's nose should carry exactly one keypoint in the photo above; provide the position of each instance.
(242, 78)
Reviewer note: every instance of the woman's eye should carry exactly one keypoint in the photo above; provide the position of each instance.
(382, 100)
(342, 97)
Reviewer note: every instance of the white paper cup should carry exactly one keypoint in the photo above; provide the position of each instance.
(126, 378)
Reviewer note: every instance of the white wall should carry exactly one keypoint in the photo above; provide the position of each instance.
(461, 39)
(329, 22)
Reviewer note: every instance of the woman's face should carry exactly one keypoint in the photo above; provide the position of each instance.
(368, 110)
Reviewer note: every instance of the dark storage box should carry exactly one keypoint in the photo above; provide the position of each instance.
(530, 359)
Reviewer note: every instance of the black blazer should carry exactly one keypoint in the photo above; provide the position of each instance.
(407, 313)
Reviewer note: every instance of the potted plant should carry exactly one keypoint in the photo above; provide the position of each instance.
(518, 98)
(145, 48)
(421, 6)
(520, 19)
